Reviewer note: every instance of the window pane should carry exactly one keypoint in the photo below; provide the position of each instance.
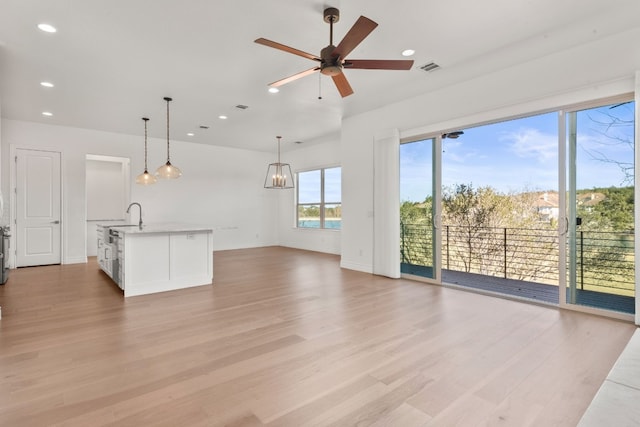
(332, 186)
(601, 249)
(416, 169)
(309, 187)
(418, 233)
(309, 216)
(333, 216)
(319, 199)
(500, 207)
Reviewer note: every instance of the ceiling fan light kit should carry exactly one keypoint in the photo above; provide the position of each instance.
(333, 59)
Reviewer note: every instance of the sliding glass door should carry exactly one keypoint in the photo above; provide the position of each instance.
(494, 218)
(419, 208)
(600, 207)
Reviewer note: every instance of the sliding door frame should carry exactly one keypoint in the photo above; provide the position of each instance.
(436, 179)
(566, 185)
(563, 222)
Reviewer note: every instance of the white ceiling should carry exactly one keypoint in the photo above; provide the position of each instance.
(113, 61)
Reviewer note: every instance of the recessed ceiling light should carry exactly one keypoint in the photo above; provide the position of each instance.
(408, 52)
(47, 113)
(190, 134)
(46, 84)
(222, 117)
(47, 28)
(274, 90)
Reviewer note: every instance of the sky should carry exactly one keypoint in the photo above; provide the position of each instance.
(309, 186)
(522, 154)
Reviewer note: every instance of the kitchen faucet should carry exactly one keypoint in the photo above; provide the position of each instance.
(140, 208)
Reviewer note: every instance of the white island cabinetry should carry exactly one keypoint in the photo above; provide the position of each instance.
(162, 257)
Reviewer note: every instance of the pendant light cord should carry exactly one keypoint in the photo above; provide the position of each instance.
(168, 100)
(146, 170)
(278, 148)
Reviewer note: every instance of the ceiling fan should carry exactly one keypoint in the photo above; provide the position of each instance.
(333, 60)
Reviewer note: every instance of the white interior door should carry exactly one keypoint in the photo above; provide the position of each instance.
(38, 231)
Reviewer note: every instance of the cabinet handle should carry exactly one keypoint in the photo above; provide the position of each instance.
(55, 222)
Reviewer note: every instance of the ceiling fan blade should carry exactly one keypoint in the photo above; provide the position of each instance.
(285, 48)
(379, 64)
(360, 30)
(342, 84)
(294, 77)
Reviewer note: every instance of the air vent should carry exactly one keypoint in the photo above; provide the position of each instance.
(431, 66)
(204, 127)
(242, 107)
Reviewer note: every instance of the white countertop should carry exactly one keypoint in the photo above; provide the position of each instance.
(160, 228)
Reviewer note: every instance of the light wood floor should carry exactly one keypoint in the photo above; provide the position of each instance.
(287, 338)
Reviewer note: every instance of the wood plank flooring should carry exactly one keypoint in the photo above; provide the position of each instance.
(286, 338)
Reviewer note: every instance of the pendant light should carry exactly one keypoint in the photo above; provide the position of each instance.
(279, 175)
(145, 178)
(168, 171)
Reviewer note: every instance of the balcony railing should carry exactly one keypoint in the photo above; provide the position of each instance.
(604, 260)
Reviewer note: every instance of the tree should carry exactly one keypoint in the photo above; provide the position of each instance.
(413, 212)
(606, 209)
(495, 234)
(616, 124)
(309, 211)
(472, 213)
(416, 221)
(604, 241)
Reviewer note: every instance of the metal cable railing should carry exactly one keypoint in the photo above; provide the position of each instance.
(603, 259)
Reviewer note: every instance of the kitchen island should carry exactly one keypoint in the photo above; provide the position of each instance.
(156, 257)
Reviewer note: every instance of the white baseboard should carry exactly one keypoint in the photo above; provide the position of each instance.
(365, 268)
(75, 260)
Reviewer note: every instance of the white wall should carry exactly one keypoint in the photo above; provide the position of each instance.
(599, 69)
(108, 185)
(317, 154)
(220, 187)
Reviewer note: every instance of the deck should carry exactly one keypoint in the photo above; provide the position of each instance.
(532, 291)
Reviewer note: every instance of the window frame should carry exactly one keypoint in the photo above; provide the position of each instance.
(322, 204)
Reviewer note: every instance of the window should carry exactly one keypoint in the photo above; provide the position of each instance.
(319, 199)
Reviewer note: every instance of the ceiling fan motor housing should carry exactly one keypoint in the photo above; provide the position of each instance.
(331, 65)
(331, 14)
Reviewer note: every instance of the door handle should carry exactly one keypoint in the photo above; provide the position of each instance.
(55, 222)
